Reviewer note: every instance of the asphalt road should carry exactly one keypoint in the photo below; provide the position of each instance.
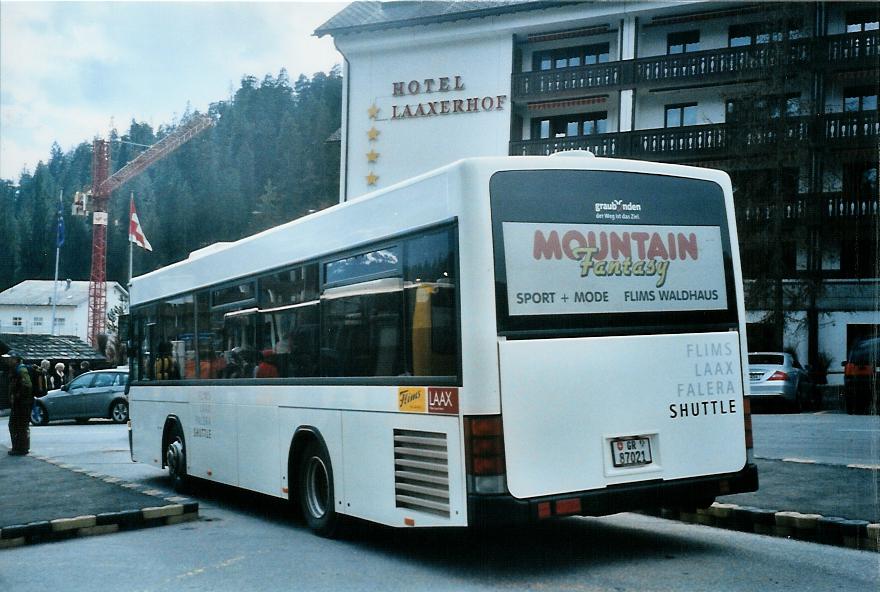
(247, 542)
(828, 438)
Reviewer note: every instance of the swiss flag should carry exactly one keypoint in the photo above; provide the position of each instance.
(135, 232)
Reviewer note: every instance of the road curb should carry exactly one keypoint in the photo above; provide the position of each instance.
(166, 511)
(826, 530)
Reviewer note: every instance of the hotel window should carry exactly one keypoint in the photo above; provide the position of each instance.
(568, 126)
(862, 20)
(758, 33)
(860, 98)
(570, 57)
(681, 115)
(788, 105)
(16, 322)
(38, 322)
(683, 42)
(860, 179)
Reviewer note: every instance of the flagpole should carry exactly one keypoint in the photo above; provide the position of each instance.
(130, 248)
(57, 256)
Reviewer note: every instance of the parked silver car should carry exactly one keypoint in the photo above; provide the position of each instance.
(100, 393)
(780, 376)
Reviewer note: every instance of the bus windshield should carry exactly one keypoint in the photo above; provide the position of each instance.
(604, 252)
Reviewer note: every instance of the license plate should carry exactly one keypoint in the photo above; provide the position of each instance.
(755, 376)
(631, 452)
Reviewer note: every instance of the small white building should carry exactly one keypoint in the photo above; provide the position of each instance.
(27, 307)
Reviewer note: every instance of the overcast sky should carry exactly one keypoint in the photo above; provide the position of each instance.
(71, 70)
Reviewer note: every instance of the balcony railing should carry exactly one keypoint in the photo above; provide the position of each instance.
(720, 140)
(792, 208)
(839, 206)
(580, 80)
(852, 47)
(673, 143)
(599, 144)
(851, 126)
(722, 62)
(821, 207)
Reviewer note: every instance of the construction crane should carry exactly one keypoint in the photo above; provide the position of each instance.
(98, 197)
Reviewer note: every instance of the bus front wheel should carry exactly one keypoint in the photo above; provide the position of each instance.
(315, 488)
(175, 459)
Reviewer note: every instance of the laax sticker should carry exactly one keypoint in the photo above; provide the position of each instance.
(412, 399)
(443, 400)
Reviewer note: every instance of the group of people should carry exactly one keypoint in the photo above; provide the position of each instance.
(25, 383)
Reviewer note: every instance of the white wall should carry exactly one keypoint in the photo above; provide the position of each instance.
(413, 145)
(832, 337)
(75, 320)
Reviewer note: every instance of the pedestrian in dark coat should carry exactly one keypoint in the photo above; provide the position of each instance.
(57, 379)
(41, 389)
(21, 397)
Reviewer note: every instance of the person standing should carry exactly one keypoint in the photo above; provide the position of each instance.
(21, 397)
(57, 379)
(42, 388)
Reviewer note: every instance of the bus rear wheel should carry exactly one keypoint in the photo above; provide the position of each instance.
(315, 489)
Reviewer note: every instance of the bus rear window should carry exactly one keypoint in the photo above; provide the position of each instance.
(609, 252)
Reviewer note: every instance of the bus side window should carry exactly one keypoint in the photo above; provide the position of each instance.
(362, 329)
(432, 320)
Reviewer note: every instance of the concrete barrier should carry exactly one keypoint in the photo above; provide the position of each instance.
(828, 530)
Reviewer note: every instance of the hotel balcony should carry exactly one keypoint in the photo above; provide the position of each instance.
(847, 51)
(567, 82)
(723, 65)
(812, 207)
(858, 130)
(852, 49)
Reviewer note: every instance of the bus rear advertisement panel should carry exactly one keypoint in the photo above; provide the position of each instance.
(602, 268)
(601, 252)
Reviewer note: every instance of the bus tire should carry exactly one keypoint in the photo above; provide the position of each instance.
(175, 458)
(315, 491)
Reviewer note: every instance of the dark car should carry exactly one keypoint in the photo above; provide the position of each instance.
(93, 394)
(860, 377)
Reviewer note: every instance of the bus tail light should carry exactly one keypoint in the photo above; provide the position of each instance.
(484, 453)
(747, 418)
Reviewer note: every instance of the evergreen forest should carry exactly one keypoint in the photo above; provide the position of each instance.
(266, 160)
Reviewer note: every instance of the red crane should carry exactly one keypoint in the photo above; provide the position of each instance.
(103, 184)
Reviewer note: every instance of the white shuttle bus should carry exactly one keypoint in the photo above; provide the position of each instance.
(499, 340)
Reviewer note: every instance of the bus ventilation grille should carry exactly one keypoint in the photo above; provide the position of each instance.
(421, 471)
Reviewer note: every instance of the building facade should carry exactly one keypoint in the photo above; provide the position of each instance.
(26, 308)
(782, 96)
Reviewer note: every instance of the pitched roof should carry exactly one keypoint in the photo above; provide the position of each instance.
(34, 348)
(372, 16)
(39, 293)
